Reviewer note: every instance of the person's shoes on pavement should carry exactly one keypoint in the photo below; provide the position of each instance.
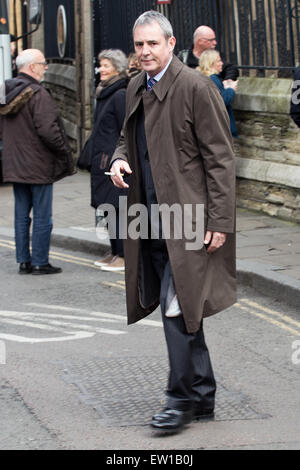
(25, 268)
(202, 414)
(47, 269)
(171, 420)
(116, 264)
(105, 260)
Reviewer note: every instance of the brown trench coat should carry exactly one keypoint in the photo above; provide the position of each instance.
(192, 161)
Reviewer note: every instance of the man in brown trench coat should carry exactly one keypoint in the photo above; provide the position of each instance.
(177, 148)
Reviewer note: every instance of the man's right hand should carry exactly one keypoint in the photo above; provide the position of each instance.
(119, 168)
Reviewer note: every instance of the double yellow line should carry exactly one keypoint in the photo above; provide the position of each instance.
(118, 284)
(8, 244)
(272, 316)
(73, 259)
(59, 256)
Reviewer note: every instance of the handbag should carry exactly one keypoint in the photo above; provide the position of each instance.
(84, 161)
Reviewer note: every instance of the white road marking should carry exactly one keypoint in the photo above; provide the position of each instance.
(58, 322)
(49, 322)
(95, 314)
(29, 324)
(23, 339)
(64, 317)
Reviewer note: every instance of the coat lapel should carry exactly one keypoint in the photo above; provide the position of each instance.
(136, 94)
(161, 88)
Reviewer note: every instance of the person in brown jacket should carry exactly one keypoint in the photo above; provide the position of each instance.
(177, 149)
(35, 154)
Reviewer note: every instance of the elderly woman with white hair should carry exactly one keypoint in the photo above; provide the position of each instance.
(108, 119)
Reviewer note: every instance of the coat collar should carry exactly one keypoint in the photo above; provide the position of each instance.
(29, 78)
(161, 88)
(104, 92)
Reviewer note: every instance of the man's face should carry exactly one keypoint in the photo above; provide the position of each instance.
(208, 40)
(39, 67)
(152, 48)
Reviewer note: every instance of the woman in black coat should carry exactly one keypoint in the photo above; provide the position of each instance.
(109, 117)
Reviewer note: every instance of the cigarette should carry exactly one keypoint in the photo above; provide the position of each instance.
(111, 173)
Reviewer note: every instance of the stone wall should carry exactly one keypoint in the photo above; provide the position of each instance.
(268, 148)
(71, 81)
(60, 79)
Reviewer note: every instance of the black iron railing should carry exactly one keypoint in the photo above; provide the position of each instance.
(261, 36)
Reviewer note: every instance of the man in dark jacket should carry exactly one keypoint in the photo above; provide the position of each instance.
(36, 153)
(295, 100)
(205, 38)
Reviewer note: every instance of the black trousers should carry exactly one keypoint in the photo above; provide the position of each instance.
(191, 378)
(117, 242)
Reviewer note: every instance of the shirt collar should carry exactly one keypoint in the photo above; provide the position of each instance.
(161, 74)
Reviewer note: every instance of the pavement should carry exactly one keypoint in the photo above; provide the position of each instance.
(268, 249)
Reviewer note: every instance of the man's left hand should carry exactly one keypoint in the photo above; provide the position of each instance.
(215, 240)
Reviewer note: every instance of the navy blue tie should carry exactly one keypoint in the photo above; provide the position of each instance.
(150, 83)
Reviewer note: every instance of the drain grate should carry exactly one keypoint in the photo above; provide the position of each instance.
(128, 391)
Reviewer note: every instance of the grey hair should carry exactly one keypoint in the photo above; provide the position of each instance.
(25, 58)
(117, 58)
(151, 16)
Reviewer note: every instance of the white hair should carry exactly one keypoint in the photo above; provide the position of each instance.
(25, 58)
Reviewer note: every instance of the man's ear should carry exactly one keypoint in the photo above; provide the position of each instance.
(172, 43)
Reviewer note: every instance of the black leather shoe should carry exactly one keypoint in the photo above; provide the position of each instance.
(25, 268)
(47, 269)
(171, 420)
(203, 413)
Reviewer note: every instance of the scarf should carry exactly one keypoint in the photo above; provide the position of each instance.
(107, 83)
